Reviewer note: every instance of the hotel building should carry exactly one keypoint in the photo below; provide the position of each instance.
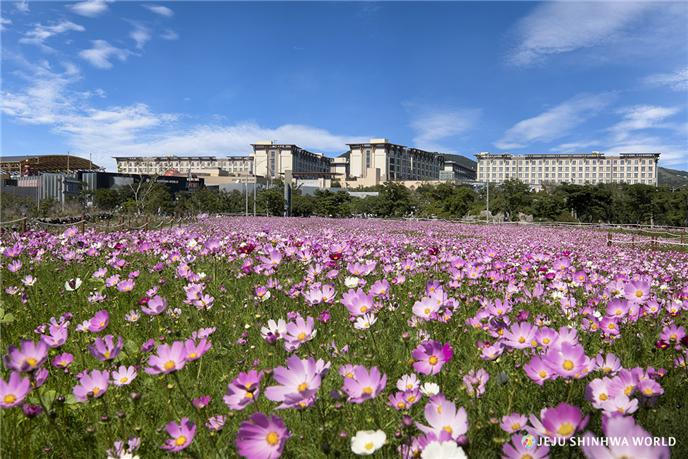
(184, 165)
(395, 162)
(538, 170)
(272, 160)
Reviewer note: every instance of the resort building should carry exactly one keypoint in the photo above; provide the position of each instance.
(35, 164)
(538, 170)
(394, 162)
(185, 165)
(272, 160)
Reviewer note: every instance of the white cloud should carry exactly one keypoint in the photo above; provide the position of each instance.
(678, 80)
(102, 52)
(641, 117)
(555, 122)
(434, 126)
(4, 22)
(22, 6)
(562, 27)
(161, 10)
(90, 8)
(40, 33)
(672, 154)
(169, 34)
(141, 35)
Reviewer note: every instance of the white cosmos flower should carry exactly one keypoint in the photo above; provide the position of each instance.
(443, 450)
(429, 389)
(72, 284)
(366, 442)
(351, 282)
(278, 329)
(365, 321)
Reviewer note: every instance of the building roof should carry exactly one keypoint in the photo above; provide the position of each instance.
(48, 162)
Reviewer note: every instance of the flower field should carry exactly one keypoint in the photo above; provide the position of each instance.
(307, 338)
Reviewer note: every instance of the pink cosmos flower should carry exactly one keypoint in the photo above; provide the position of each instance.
(299, 382)
(99, 321)
(609, 364)
(357, 302)
(637, 291)
(126, 285)
(562, 421)
(430, 356)
(105, 348)
(520, 336)
(196, 349)
(63, 360)
(14, 390)
(91, 384)
(27, 357)
(443, 417)
(516, 449)
(365, 385)
(623, 427)
(513, 423)
(299, 332)
(475, 382)
(154, 306)
(568, 361)
(243, 390)
(408, 382)
(181, 434)
(123, 376)
(169, 358)
(262, 437)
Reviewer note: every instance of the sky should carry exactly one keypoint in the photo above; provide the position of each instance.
(106, 78)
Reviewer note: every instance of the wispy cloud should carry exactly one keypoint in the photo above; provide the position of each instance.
(40, 33)
(678, 80)
(169, 34)
(431, 127)
(102, 53)
(22, 6)
(555, 122)
(641, 117)
(90, 8)
(561, 27)
(4, 22)
(141, 35)
(160, 10)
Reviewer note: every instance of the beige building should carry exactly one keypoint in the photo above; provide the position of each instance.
(272, 160)
(183, 165)
(395, 162)
(538, 170)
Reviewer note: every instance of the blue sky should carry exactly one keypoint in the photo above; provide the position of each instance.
(154, 78)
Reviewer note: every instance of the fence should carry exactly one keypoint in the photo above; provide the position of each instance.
(85, 223)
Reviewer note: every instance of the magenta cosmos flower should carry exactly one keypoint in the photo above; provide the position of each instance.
(262, 437)
(169, 358)
(568, 360)
(243, 390)
(299, 382)
(637, 291)
(365, 384)
(13, 392)
(154, 306)
(561, 421)
(91, 384)
(357, 302)
(99, 321)
(28, 356)
(299, 332)
(105, 348)
(181, 434)
(443, 418)
(430, 356)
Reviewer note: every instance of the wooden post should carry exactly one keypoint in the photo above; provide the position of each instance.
(23, 225)
(632, 240)
(609, 239)
(83, 223)
(683, 235)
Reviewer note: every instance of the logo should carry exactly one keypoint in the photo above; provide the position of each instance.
(528, 441)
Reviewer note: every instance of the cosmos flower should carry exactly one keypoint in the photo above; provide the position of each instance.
(181, 434)
(366, 442)
(298, 382)
(365, 385)
(123, 376)
(430, 356)
(243, 390)
(562, 421)
(262, 437)
(299, 332)
(99, 321)
(443, 450)
(92, 383)
(568, 360)
(105, 348)
(27, 357)
(518, 449)
(274, 331)
(623, 427)
(169, 358)
(513, 422)
(357, 302)
(14, 390)
(443, 416)
(154, 306)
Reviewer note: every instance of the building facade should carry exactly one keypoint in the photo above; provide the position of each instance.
(538, 170)
(395, 162)
(456, 172)
(35, 164)
(185, 165)
(271, 160)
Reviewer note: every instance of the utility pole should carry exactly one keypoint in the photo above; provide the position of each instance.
(487, 217)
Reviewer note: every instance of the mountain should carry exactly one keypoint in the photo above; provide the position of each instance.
(672, 177)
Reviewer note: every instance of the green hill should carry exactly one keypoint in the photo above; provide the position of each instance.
(672, 177)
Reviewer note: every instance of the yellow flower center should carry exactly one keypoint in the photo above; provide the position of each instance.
(249, 395)
(515, 426)
(411, 398)
(364, 309)
(628, 390)
(566, 429)
(401, 405)
(301, 336)
(533, 343)
(96, 390)
(542, 374)
(673, 337)
(618, 312)
(526, 456)
(170, 365)
(102, 324)
(409, 386)
(611, 326)
(499, 312)
(369, 446)
(31, 361)
(638, 293)
(448, 429)
(303, 387)
(367, 390)
(106, 354)
(192, 355)
(521, 340)
(568, 365)
(647, 391)
(427, 311)
(9, 399)
(433, 360)
(603, 396)
(545, 340)
(123, 379)
(180, 440)
(272, 438)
